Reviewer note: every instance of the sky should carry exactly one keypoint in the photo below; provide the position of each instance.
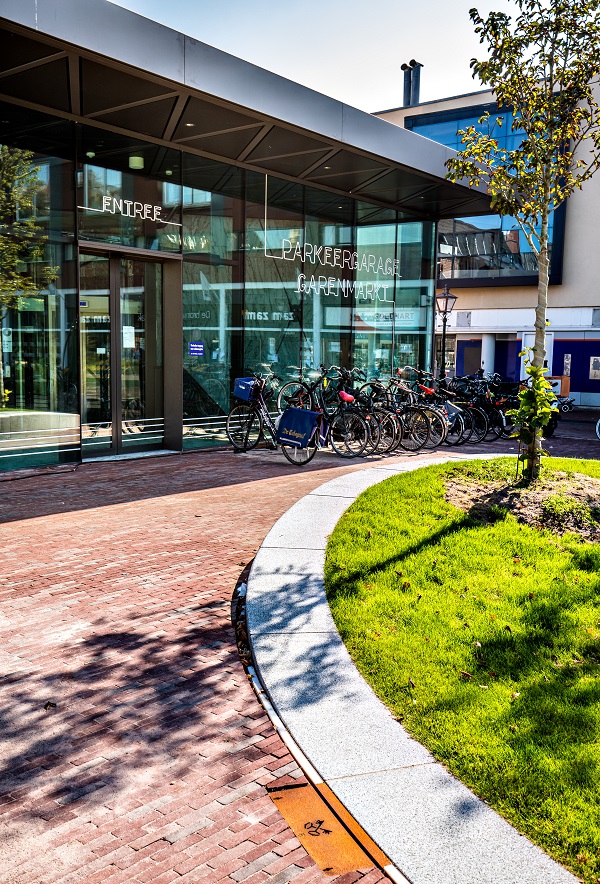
(349, 50)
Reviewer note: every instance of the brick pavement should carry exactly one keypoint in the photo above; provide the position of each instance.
(132, 747)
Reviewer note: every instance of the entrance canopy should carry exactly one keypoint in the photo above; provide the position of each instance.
(91, 61)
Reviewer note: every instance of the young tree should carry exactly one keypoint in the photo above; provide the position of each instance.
(543, 64)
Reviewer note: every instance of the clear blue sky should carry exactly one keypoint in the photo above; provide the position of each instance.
(344, 48)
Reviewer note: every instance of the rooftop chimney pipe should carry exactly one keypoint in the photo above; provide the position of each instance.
(407, 84)
(415, 86)
(412, 82)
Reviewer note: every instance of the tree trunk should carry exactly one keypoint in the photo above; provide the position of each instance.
(534, 448)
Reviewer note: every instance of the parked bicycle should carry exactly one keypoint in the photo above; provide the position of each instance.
(321, 391)
(248, 421)
(332, 393)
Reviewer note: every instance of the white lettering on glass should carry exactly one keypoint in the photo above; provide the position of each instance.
(130, 209)
(324, 285)
(327, 256)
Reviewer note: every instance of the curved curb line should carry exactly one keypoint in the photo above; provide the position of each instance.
(378, 859)
(432, 828)
(312, 775)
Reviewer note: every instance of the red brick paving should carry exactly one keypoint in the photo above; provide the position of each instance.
(132, 748)
(151, 766)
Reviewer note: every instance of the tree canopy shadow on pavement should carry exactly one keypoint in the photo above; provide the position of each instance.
(133, 703)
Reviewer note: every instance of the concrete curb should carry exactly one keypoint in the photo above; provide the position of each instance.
(433, 829)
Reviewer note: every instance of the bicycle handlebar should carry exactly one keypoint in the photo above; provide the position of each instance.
(271, 376)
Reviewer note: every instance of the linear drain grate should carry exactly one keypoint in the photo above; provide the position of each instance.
(319, 830)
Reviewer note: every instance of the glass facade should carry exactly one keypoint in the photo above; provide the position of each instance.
(94, 227)
(491, 247)
(39, 377)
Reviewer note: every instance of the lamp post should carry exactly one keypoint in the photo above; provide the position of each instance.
(445, 303)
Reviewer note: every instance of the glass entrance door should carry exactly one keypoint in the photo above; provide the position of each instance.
(121, 354)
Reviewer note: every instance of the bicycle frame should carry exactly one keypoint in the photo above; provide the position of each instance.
(259, 406)
(267, 420)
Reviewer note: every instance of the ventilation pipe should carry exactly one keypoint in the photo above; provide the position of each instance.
(407, 84)
(412, 82)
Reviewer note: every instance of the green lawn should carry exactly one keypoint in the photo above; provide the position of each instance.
(484, 640)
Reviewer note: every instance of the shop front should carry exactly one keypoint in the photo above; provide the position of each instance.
(156, 244)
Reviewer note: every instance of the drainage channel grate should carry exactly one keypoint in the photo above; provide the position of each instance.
(319, 830)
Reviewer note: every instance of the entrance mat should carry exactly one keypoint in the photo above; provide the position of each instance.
(325, 828)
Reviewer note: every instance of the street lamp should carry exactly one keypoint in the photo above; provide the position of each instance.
(445, 303)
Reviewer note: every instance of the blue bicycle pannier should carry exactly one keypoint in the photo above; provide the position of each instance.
(245, 388)
(296, 427)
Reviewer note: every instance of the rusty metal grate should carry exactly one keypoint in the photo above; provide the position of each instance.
(325, 829)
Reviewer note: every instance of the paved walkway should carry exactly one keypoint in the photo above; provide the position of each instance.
(132, 747)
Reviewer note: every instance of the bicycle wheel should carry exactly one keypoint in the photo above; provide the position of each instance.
(456, 430)
(374, 431)
(348, 434)
(496, 422)
(294, 394)
(598, 429)
(300, 456)
(468, 422)
(438, 427)
(508, 426)
(480, 424)
(328, 398)
(391, 431)
(415, 429)
(244, 427)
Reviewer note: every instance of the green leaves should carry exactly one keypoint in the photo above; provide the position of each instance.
(23, 270)
(542, 63)
(536, 404)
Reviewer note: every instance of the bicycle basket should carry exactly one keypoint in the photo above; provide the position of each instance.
(296, 427)
(245, 388)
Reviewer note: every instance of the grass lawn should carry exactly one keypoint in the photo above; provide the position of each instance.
(483, 638)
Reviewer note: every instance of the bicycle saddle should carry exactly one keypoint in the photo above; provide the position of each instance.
(346, 397)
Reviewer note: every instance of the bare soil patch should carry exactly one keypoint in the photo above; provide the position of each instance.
(561, 502)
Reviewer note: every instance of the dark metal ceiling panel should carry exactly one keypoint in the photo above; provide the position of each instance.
(367, 213)
(445, 201)
(102, 28)
(47, 85)
(40, 133)
(204, 117)
(346, 161)
(147, 119)
(102, 147)
(294, 165)
(282, 142)
(223, 94)
(205, 174)
(226, 144)
(18, 50)
(348, 181)
(404, 182)
(104, 88)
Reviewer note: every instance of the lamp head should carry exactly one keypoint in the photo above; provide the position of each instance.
(445, 302)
